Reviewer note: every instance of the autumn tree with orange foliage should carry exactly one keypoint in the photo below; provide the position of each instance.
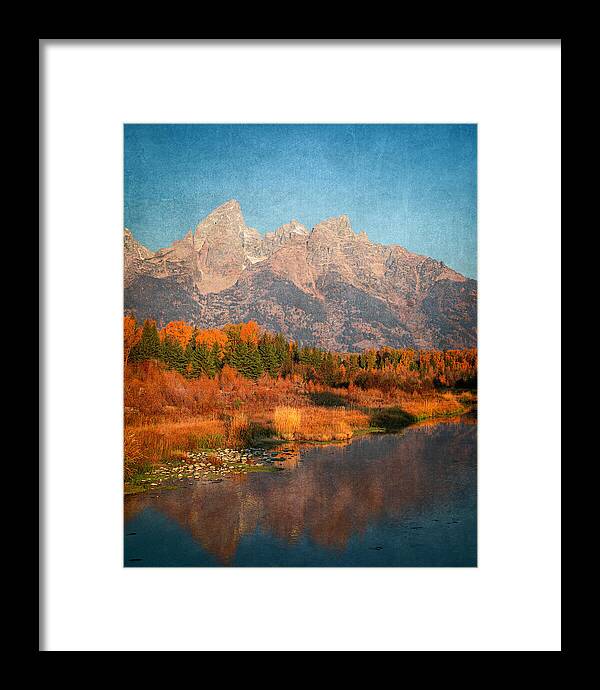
(132, 334)
(251, 351)
(211, 337)
(250, 332)
(180, 331)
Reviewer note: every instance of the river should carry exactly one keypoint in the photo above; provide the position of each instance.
(407, 499)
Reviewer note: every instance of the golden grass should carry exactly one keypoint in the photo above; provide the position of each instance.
(133, 452)
(286, 421)
(163, 441)
(431, 405)
(167, 440)
(313, 423)
(238, 433)
(167, 416)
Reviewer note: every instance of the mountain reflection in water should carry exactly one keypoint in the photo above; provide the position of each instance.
(404, 499)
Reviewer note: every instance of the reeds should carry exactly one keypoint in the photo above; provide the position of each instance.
(311, 423)
(167, 415)
(239, 433)
(431, 405)
(164, 441)
(286, 422)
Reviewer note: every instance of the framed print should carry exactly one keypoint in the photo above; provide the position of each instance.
(301, 344)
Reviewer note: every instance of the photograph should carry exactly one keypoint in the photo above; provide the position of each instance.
(300, 345)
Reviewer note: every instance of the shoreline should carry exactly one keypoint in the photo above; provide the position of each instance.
(217, 464)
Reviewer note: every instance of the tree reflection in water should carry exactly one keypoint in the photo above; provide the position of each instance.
(330, 494)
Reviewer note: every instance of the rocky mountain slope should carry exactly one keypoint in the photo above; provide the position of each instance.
(328, 286)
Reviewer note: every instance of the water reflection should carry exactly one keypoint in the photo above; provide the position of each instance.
(397, 499)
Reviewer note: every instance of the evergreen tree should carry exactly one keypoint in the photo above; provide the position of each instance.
(204, 361)
(281, 350)
(293, 353)
(198, 361)
(244, 357)
(174, 355)
(214, 361)
(235, 351)
(271, 358)
(149, 346)
(328, 370)
(189, 352)
(253, 365)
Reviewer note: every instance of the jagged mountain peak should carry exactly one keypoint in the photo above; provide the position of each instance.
(130, 244)
(230, 203)
(335, 223)
(230, 206)
(334, 229)
(293, 226)
(226, 218)
(328, 286)
(134, 255)
(288, 230)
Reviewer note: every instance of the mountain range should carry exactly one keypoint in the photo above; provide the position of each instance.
(327, 286)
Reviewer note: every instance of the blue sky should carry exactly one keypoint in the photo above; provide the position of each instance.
(413, 185)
